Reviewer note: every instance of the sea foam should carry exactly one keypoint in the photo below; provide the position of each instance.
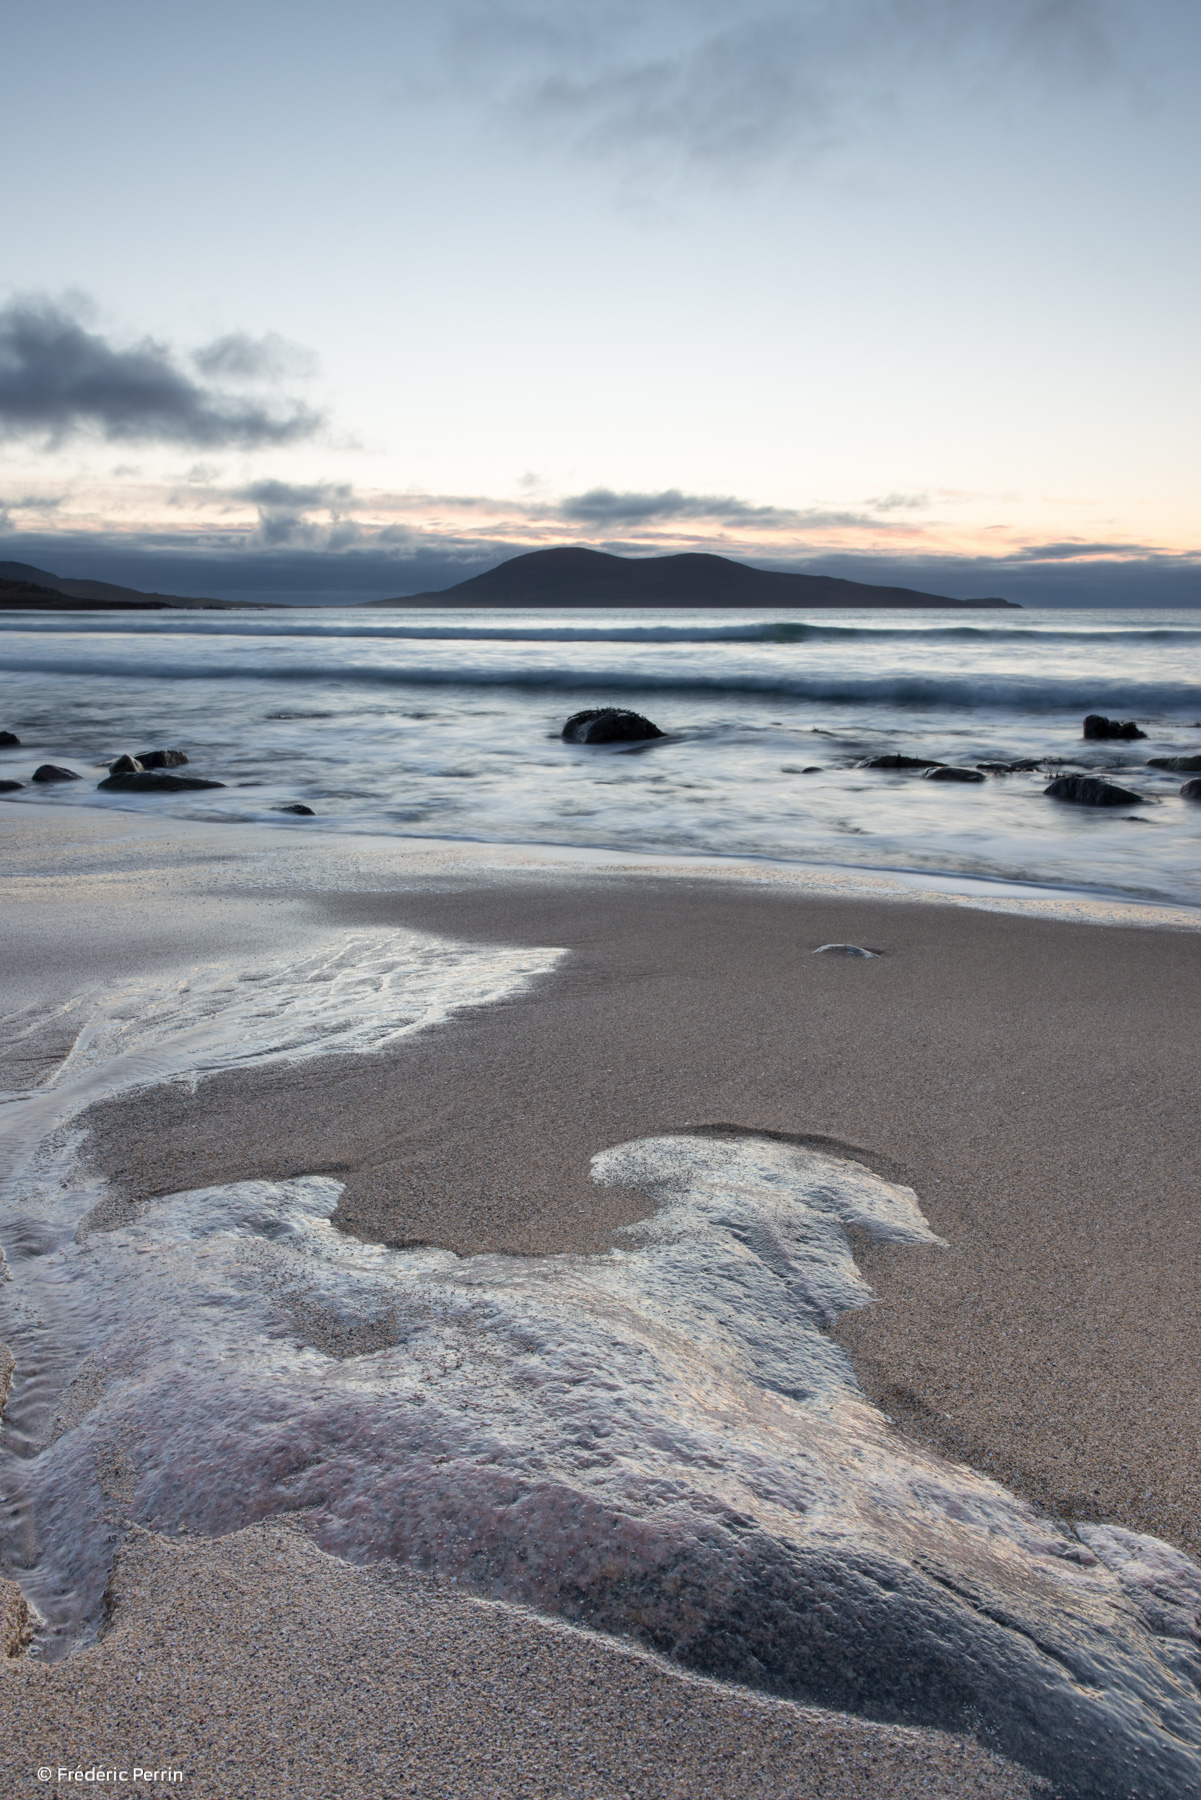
(661, 1441)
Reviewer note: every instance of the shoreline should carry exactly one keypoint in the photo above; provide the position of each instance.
(694, 1003)
(432, 856)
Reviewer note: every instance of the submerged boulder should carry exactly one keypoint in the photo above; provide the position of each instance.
(1026, 767)
(1089, 790)
(895, 761)
(1191, 789)
(948, 772)
(9, 740)
(305, 811)
(609, 725)
(161, 759)
(10, 787)
(1183, 765)
(52, 772)
(125, 765)
(1098, 726)
(150, 781)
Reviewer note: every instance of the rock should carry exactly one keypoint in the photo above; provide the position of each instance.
(1098, 726)
(845, 950)
(1191, 790)
(9, 740)
(161, 759)
(947, 772)
(1010, 768)
(609, 725)
(52, 772)
(149, 781)
(125, 765)
(306, 811)
(10, 787)
(813, 769)
(899, 762)
(16, 1620)
(1088, 790)
(1183, 765)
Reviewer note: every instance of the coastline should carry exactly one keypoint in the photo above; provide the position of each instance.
(1003, 1064)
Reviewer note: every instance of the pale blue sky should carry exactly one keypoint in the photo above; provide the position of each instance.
(887, 282)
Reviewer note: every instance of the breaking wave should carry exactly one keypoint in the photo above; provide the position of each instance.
(906, 690)
(340, 627)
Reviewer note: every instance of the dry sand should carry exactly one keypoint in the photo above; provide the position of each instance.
(1035, 1081)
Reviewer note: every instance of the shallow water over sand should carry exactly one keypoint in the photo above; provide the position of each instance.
(661, 1440)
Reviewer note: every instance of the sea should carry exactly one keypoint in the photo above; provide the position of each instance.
(448, 725)
(662, 1441)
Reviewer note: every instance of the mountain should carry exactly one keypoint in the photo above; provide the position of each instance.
(570, 577)
(29, 588)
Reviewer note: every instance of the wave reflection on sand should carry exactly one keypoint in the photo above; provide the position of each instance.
(661, 1441)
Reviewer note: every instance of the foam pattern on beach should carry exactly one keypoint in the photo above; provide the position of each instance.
(661, 1441)
(359, 992)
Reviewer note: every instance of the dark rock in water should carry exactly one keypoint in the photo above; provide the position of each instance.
(813, 769)
(1010, 768)
(125, 765)
(306, 811)
(1098, 726)
(1191, 790)
(1088, 790)
(149, 781)
(10, 787)
(9, 740)
(896, 761)
(161, 759)
(844, 950)
(609, 725)
(947, 772)
(52, 772)
(1183, 765)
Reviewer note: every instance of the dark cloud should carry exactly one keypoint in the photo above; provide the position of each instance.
(59, 377)
(1070, 549)
(604, 507)
(724, 84)
(296, 496)
(285, 511)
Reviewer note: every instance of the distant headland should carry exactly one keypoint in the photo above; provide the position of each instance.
(29, 589)
(564, 577)
(572, 577)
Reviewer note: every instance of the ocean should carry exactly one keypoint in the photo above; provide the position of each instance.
(447, 725)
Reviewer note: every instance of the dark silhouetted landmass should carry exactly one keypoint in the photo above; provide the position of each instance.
(21, 585)
(571, 577)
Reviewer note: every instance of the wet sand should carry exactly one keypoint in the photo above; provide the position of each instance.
(261, 1668)
(1033, 1080)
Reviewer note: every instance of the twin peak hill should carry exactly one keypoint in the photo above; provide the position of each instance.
(592, 578)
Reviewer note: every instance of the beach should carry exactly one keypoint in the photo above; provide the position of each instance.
(1025, 1067)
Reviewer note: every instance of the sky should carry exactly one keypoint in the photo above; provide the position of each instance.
(306, 301)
